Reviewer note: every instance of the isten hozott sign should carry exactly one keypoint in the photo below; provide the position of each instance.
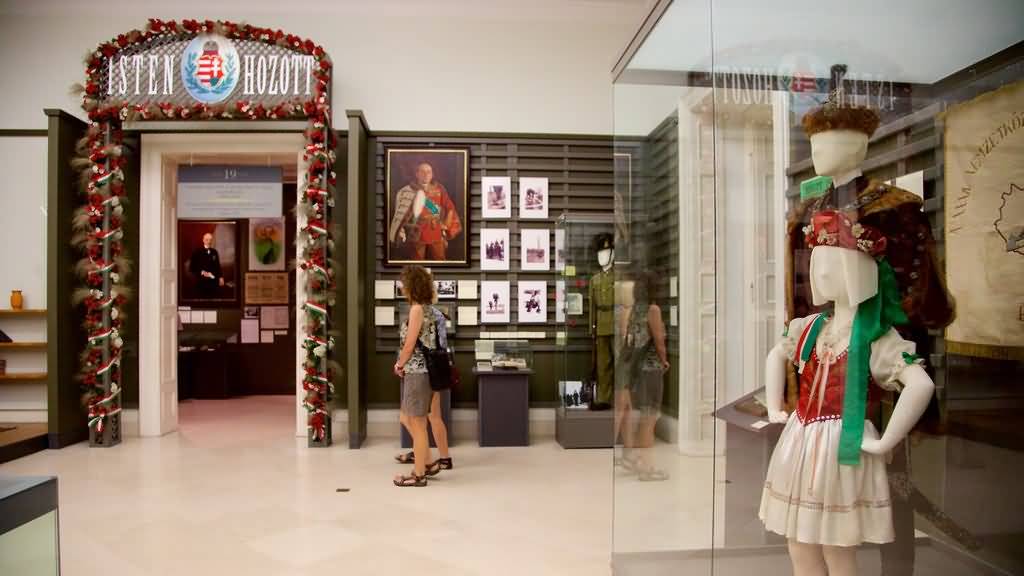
(208, 69)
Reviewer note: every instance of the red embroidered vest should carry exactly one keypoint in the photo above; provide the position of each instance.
(833, 389)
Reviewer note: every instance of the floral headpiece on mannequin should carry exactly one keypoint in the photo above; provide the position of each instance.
(835, 228)
(877, 312)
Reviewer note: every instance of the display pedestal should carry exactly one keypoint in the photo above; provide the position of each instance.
(750, 450)
(446, 416)
(29, 525)
(584, 428)
(504, 407)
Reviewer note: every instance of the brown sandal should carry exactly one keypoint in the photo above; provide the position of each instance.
(412, 481)
(407, 458)
(434, 468)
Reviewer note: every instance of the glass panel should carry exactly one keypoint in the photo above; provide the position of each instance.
(665, 325)
(719, 186)
(913, 111)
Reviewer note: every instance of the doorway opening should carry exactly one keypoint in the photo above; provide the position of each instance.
(218, 338)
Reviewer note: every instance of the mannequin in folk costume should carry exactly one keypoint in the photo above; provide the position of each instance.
(826, 489)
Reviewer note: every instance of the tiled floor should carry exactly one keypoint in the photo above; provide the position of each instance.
(672, 515)
(233, 492)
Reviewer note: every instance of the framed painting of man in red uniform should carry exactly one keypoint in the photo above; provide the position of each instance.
(427, 206)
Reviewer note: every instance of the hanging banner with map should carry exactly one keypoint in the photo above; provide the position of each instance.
(984, 153)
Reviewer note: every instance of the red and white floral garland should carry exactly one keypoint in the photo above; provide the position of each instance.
(97, 222)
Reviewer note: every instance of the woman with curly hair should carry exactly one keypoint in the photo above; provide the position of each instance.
(417, 333)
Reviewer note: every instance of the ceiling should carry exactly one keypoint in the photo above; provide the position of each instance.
(917, 41)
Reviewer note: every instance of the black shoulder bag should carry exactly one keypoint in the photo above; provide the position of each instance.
(439, 363)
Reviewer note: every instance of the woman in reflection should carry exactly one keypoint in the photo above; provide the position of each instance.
(643, 361)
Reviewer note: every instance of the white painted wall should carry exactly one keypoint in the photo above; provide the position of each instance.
(438, 65)
(23, 220)
(640, 108)
(23, 267)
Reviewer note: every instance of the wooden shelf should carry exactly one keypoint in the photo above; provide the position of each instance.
(26, 312)
(23, 377)
(22, 345)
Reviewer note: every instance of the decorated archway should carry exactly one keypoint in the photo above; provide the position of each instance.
(197, 70)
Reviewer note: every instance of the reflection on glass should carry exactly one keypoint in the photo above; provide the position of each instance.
(641, 364)
(735, 171)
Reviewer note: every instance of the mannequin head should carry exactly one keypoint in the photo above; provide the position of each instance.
(846, 277)
(838, 152)
(604, 245)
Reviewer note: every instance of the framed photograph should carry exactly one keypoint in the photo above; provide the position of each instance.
(427, 206)
(497, 197)
(208, 263)
(559, 249)
(446, 289)
(533, 248)
(571, 393)
(252, 312)
(275, 318)
(494, 302)
(533, 301)
(533, 198)
(574, 304)
(494, 249)
(266, 244)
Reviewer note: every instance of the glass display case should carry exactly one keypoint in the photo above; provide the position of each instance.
(752, 131)
(29, 526)
(584, 364)
(512, 355)
(503, 355)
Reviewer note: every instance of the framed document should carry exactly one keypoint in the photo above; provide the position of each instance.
(266, 288)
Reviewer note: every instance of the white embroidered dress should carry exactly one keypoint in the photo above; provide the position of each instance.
(808, 496)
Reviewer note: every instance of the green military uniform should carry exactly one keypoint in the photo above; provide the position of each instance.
(602, 325)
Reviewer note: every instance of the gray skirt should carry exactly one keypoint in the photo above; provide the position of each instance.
(416, 394)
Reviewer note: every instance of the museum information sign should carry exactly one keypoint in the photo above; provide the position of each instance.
(229, 192)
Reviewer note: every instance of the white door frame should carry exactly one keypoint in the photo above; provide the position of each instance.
(697, 297)
(158, 335)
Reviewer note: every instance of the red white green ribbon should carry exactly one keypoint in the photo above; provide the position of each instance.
(96, 419)
(317, 268)
(314, 307)
(101, 268)
(107, 234)
(317, 228)
(317, 341)
(100, 336)
(106, 367)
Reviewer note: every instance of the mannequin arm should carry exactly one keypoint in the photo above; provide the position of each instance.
(917, 392)
(775, 384)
